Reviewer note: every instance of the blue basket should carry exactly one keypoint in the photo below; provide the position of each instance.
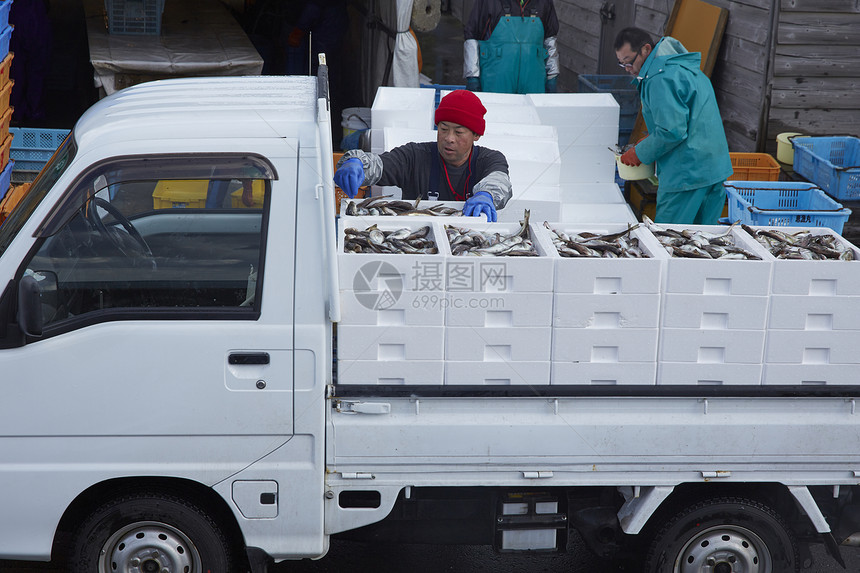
(5, 6)
(32, 147)
(439, 89)
(5, 37)
(6, 179)
(783, 204)
(134, 17)
(833, 163)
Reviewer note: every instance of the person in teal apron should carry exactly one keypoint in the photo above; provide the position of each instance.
(510, 47)
(686, 139)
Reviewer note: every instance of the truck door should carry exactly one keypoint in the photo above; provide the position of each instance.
(151, 353)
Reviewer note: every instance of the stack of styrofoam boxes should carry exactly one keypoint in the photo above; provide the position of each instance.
(498, 315)
(813, 332)
(410, 108)
(6, 165)
(606, 314)
(392, 313)
(713, 318)
(587, 126)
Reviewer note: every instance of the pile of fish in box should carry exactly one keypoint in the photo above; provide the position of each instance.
(379, 206)
(697, 243)
(621, 245)
(491, 243)
(802, 245)
(398, 241)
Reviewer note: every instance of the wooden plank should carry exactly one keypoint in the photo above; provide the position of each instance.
(818, 28)
(815, 121)
(805, 92)
(745, 54)
(578, 16)
(752, 24)
(652, 21)
(845, 6)
(799, 61)
(740, 82)
(740, 116)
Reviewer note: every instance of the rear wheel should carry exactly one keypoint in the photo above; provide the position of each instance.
(150, 533)
(726, 535)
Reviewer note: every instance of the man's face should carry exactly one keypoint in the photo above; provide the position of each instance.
(455, 142)
(631, 60)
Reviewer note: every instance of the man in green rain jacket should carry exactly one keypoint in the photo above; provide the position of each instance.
(685, 131)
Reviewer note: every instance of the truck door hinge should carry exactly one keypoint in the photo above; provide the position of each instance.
(717, 474)
(351, 407)
(537, 475)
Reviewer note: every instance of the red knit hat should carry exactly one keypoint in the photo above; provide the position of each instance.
(463, 108)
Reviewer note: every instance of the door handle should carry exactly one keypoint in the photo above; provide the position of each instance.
(248, 358)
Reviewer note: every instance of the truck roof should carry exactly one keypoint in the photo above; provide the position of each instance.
(209, 108)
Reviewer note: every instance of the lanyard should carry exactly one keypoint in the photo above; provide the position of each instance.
(457, 196)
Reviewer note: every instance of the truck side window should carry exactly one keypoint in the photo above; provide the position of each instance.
(155, 248)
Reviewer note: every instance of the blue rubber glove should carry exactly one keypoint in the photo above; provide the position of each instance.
(473, 84)
(551, 85)
(480, 202)
(350, 176)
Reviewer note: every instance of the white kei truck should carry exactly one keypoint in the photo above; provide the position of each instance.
(220, 387)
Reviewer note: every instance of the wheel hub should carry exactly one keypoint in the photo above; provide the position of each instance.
(724, 549)
(149, 547)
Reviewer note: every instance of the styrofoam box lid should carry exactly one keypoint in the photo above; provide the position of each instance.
(511, 114)
(493, 98)
(520, 131)
(521, 274)
(696, 276)
(609, 276)
(817, 278)
(393, 98)
(350, 264)
(598, 99)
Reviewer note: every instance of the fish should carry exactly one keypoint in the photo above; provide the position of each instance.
(399, 241)
(699, 244)
(587, 244)
(378, 206)
(802, 245)
(471, 242)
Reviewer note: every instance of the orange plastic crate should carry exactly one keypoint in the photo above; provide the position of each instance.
(5, 66)
(5, 92)
(4, 151)
(5, 120)
(754, 167)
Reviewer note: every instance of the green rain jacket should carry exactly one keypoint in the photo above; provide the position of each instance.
(685, 130)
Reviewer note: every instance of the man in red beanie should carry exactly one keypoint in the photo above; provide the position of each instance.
(452, 169)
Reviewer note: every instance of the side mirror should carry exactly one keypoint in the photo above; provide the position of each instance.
(30, 319)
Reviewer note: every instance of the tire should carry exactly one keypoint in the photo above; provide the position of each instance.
(142, 531)
(724, 535)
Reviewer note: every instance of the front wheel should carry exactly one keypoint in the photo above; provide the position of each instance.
(726, 535)
(150, 532)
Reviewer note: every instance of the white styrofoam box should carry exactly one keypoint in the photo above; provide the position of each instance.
(497, 373)
(542, 201)
(606, 310)
(497, 344)
(390, 343)
(521, 131)
(586, 275)
(403, 107)
(512, 114)
(412, 372)
(536, 162)
(397, 136)
(591, 213)
(711, 346)
(504, 309)
(580, 110)
(723, 277)
(817, 278)
(610, 345)
(810, 374)
(406, 308)
(714, 312)
(377, 140)
(801, 312)
(386, 191)
(390, 272)
(695, 374)
(595, 373)
(813, 347)
(501, 274)
(591, 193)
(586, 164)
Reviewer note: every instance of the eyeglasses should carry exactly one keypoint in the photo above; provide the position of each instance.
(629, 64)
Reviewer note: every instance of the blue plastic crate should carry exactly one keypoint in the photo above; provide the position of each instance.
(833, 163)
(783, 204)
(5, 37)
(439, 89)
(6, 179)
(33, 147)
(134, 17)
(5, 6)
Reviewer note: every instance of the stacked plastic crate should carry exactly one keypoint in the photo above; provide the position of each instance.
(5, 93)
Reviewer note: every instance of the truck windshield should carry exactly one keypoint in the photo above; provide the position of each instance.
(46, 179)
